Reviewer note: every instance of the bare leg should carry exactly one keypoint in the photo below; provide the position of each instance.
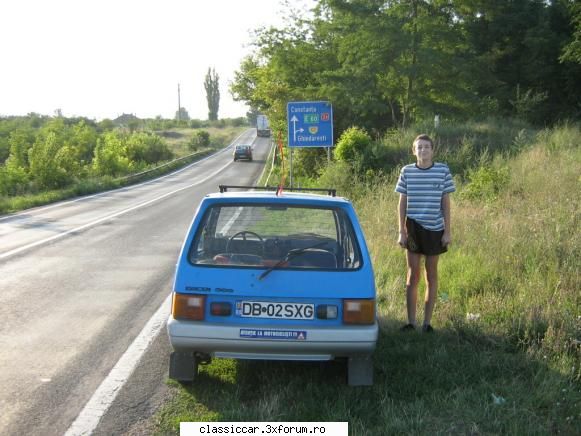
(431, 287)
(413, 280)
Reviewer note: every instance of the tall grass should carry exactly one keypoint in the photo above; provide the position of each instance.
(461, 145)
(506, 356)
(515, 260)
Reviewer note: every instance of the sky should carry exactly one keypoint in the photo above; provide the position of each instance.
(102, 58)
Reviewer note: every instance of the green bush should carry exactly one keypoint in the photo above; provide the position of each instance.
(309, 161)
(147, 148)
(352, 145)
(237, 122)
(13, 180)
(342, 177)
(51, 165)
(485, 183)
(201, 138)
(111, 155)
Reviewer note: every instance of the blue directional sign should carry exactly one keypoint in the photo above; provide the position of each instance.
(310, 124)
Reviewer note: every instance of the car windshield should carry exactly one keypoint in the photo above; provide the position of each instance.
(277, 236)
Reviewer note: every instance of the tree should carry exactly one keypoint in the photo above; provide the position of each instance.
(212, 93)
(289, 65)
(252, 116)
(14, 175)
(572, 51)
(50, 162)
(83, 141)
(386, 63)
(380, 63)
(106, 124)
(111, 155)
(402, 60)
(519, 43)
(20, 141)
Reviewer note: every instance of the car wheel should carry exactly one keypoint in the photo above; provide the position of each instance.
(183, 367)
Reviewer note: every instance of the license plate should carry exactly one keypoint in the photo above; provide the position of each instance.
(274, 310)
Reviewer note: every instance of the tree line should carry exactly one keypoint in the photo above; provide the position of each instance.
(40, 153)
(389, 63)
(43, 153)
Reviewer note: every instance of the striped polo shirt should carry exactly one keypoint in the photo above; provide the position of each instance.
(424, 189)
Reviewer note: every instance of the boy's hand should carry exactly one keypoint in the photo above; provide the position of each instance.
(402, 240)
(446, 239)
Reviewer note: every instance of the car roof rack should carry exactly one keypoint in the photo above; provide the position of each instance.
(331, 192)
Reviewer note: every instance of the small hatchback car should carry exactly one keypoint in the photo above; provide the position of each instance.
(274, 277)
(242, 152)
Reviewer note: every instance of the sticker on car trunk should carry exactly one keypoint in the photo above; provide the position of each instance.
(273, 334)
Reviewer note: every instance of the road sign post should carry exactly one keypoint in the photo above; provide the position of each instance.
(310, 124)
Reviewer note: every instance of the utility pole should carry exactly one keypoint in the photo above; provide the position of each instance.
(179, 104)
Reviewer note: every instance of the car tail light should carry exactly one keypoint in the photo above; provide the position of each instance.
(327, 311)
(221, 309)
(187, 306)
(358, 311)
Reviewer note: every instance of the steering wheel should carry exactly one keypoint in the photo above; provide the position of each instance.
(243, 233)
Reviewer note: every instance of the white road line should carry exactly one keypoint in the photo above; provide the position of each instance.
(105, 394)
(105, 218)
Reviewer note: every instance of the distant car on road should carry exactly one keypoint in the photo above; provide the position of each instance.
(242, 152)
(274, 277)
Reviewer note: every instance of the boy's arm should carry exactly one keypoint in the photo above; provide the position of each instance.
(402, 211)
(447, 236)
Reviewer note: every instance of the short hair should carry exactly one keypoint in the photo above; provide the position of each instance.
(423, 137)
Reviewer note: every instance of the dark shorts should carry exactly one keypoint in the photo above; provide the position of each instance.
(422, 241)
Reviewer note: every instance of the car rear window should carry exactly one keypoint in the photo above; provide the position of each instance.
(265, 235)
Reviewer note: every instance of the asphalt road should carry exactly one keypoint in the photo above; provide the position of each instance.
(80, 279)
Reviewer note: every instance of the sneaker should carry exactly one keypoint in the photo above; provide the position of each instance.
(407, 328)
(428, 328)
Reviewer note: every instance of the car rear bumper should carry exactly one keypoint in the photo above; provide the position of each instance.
(320, 343)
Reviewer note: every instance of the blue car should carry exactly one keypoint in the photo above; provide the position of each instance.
(274, 277)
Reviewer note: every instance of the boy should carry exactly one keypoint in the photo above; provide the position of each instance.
(424, 224)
